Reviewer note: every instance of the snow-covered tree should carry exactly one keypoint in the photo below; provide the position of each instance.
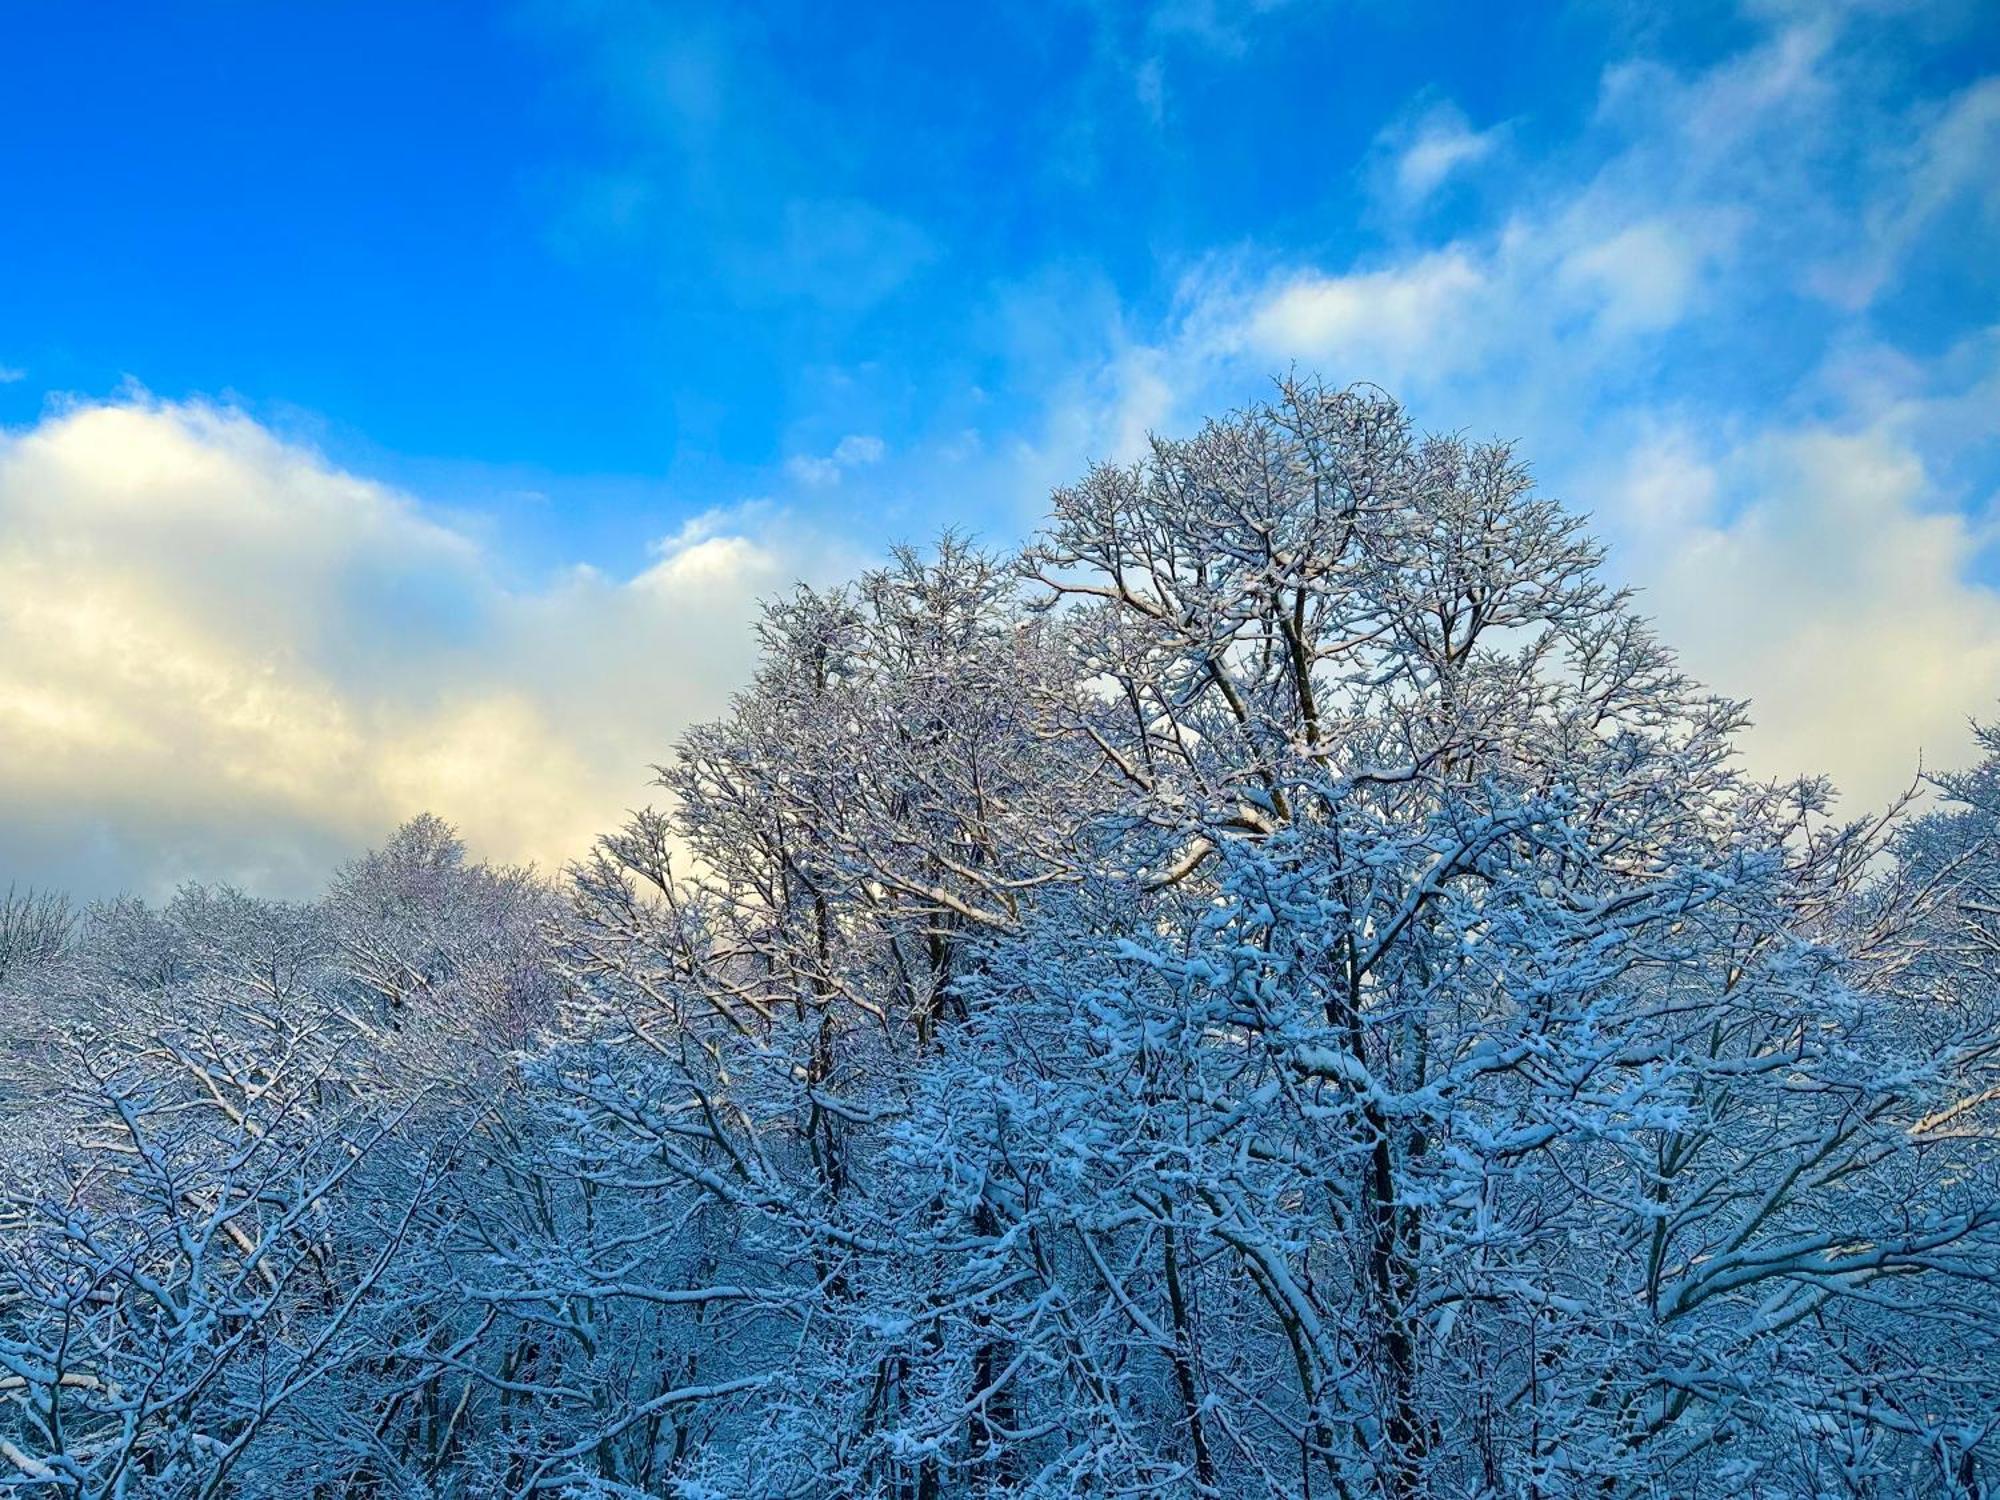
(1280, 989)
(213, 1239)
(1407, 1056)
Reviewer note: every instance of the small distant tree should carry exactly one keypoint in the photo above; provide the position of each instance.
(35, 927)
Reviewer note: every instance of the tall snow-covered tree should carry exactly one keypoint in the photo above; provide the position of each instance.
(1407, 1057)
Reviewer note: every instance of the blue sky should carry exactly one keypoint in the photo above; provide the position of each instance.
(478, 316)
(654, 241)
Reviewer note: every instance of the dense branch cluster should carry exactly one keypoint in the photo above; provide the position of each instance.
(1280, 989)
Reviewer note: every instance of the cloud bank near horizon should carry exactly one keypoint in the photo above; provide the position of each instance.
(222, 658)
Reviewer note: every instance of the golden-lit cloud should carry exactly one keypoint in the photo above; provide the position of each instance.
(222, 657)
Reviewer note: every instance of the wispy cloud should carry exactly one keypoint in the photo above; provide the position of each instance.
(855, 451)
(1427, 149)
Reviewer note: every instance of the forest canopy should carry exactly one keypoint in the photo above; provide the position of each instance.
(1281, 987)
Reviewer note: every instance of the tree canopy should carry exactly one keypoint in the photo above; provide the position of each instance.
(1282, 987)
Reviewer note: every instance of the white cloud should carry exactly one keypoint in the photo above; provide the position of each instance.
(1378, 324)
(221, 657)
(1429, 150)
(855, 451)
(1581, 276)
(1638, 278)
(9, 374)
(1814, 570)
